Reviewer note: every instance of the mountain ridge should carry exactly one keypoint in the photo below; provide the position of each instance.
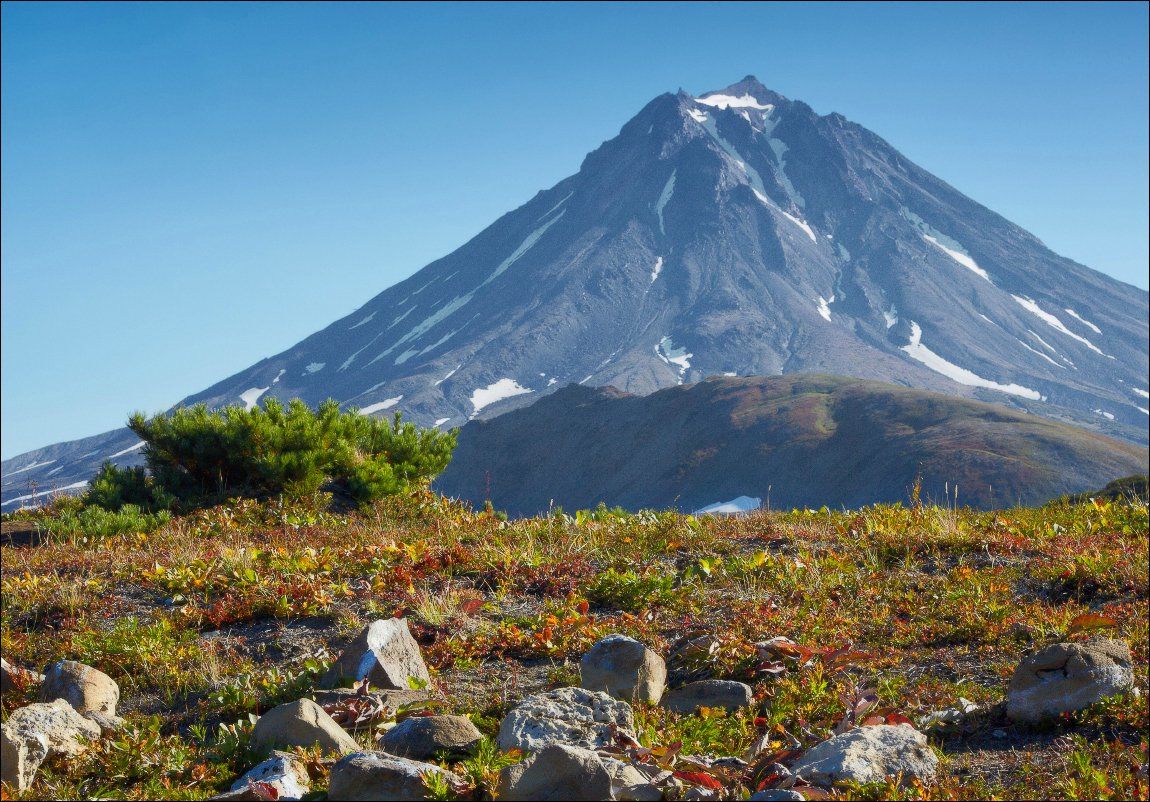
(800, 440)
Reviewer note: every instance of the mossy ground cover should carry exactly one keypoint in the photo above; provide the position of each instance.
(205, 620)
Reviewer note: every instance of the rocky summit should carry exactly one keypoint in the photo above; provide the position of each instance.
(732, 232)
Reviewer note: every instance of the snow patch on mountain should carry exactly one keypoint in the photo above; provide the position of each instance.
(367, 319)
(127, 450)
(825, 307)
(315, 367)
(42, 493)
(944, 243)
(252, 395)
(1039, 353)
(31, 467)
(1032, 306)
(382, 405)
(657, 269)
(678, 357)
(556, 206)
(920, 353)
(734, 506)
(450, 373)
(721, 101)
(664, 199)
(496, 391)
(1083, 321)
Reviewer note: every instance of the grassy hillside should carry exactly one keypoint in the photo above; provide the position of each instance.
(214, 617)
(800, 440)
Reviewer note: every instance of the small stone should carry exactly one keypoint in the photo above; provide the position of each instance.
(777, 795)
(1065, 677)
(423, 737)
(385, 654)
(624, 668)
(34, 733)
(300, 723)
(571, 716)
(281, 771)
(377, 775)
(715, 693)
(869, 754)
(87, 689)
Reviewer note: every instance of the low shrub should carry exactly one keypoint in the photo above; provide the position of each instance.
(195, 455)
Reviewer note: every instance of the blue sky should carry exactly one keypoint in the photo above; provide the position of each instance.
(188, 188)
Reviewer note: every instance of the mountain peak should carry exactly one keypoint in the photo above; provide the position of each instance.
(747, 92)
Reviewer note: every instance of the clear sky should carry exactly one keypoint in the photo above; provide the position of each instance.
(189, 188)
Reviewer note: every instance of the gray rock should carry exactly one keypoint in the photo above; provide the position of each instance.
(301, 723)
(13, 677)
(281, 771)
(571, 716)
(624, 668)
(37, 732)
(1067, 676)
(722, 693)
(385, 654)
(87, 689)
(869, 754)
(777, 795)
(556, 772)
(560, 771)
(376, 775)
(423, 737)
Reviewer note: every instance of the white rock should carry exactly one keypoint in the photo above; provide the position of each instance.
(571, 716)
(37, 732)
(869, 754)
(1065, 677)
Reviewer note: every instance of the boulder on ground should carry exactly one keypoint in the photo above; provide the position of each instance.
(14, 677)
(1066, 677)
(385, 654)
(423, 737)
(869, 754)
(716, 693)
(87, 689)
(300, 723)
(283, 772)
(377, 775)
(624, 668)
(571, 716)
(37, 732)
(560, 771)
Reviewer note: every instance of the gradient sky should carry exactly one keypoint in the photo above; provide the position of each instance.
(190, 188)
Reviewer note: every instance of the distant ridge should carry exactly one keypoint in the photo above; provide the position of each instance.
(799, 441)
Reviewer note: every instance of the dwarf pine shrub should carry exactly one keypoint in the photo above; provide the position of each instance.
(195, 453)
